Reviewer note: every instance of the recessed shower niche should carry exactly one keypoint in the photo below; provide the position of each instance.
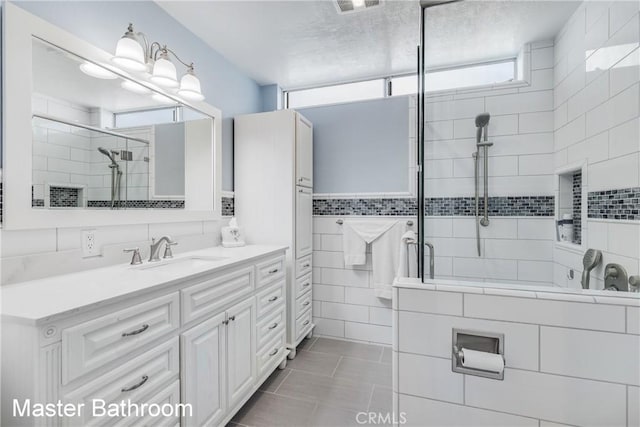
(571, 205)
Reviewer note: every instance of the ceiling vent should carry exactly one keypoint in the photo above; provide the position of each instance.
(350, 6)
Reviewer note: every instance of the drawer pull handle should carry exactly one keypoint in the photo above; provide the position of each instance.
(136, 332)
(305, 304)
(306, 322)
(135, 386)
(272, 299)
(232, 318)
(306, 265)
(305, 285)
(273, 352)
(275, 325)
(274, 271)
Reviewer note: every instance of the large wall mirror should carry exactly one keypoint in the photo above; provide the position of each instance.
(89, 144)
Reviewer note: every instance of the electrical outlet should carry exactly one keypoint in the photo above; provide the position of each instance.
(89, 244)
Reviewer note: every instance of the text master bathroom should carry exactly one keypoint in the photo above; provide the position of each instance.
(320, 213)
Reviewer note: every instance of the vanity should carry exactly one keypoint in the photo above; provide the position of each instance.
(204, 330)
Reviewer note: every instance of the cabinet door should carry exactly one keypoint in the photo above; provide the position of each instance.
(241, 351)
(304, 152)
(304, 216)
(203, 371)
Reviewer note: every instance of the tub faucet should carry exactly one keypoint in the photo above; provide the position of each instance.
(155, 247)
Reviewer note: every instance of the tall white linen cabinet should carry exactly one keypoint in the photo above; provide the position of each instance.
(273, 180)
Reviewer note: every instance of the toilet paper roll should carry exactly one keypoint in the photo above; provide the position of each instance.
(482, 360)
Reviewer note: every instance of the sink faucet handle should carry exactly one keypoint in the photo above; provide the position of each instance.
(167, 249)
(135, 258)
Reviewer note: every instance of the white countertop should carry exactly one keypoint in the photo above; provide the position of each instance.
(38, 300)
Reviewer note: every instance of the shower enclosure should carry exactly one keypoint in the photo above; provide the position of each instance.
(519, 179)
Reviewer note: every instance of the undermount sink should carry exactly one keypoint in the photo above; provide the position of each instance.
(184, 264)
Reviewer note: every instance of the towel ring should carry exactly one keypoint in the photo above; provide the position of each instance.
(340, 222)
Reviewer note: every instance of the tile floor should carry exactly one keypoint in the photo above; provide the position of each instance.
(327, 384)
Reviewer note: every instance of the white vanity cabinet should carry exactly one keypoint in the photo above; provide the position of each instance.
(208, 340)
(273, 180)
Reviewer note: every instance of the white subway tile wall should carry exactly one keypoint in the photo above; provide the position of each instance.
(558, 355)
(34, 254)
(596, 109)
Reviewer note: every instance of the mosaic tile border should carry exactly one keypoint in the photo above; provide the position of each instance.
(539, 206)
(228, 206)
(577, 207)
(138, 204)
(381, 207)
(622, 204)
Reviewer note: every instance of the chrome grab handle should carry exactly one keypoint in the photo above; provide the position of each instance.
(136, 332)
(275, 325)
(272, 299)
(145, 378)
(274, 352)
(432, 255)
(306, 303)
(305, 323)
(275, 270)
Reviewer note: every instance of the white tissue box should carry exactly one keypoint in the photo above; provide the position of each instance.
(232, 237)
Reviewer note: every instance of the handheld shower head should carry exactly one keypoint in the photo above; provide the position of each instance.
(108, 154)
(482, 120)
(591, 259)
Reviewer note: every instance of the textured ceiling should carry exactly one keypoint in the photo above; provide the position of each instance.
(306, 43)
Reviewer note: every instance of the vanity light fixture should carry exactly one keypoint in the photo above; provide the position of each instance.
(135, 53)
(94, 70)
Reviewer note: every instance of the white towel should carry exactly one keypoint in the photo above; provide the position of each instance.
(408, 257)
(385, 252)
(357, 233)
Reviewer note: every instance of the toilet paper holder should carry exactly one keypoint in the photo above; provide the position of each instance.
(488, 342)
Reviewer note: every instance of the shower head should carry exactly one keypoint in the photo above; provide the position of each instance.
(108, 154)
(482, 120)
(590, 261)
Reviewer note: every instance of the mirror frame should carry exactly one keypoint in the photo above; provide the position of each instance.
(20, 28)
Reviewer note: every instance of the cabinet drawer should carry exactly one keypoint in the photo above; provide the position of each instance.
(92, 344)
(169, 395)
(134, 380)
(303, 324)
(270, 270)
(303, 266)
(212, 295)
(303, 304)
(271, 326)
(271, 298)
(303, 285)
(271, 354)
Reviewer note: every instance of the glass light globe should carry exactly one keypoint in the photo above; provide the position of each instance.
(129, 54)
(164, 73)
(190, 87)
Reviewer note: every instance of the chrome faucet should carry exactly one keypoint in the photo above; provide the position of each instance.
(155, 248)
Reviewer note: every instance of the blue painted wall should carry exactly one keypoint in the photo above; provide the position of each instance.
(361, 146)
(102, 23)
(271, 97)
